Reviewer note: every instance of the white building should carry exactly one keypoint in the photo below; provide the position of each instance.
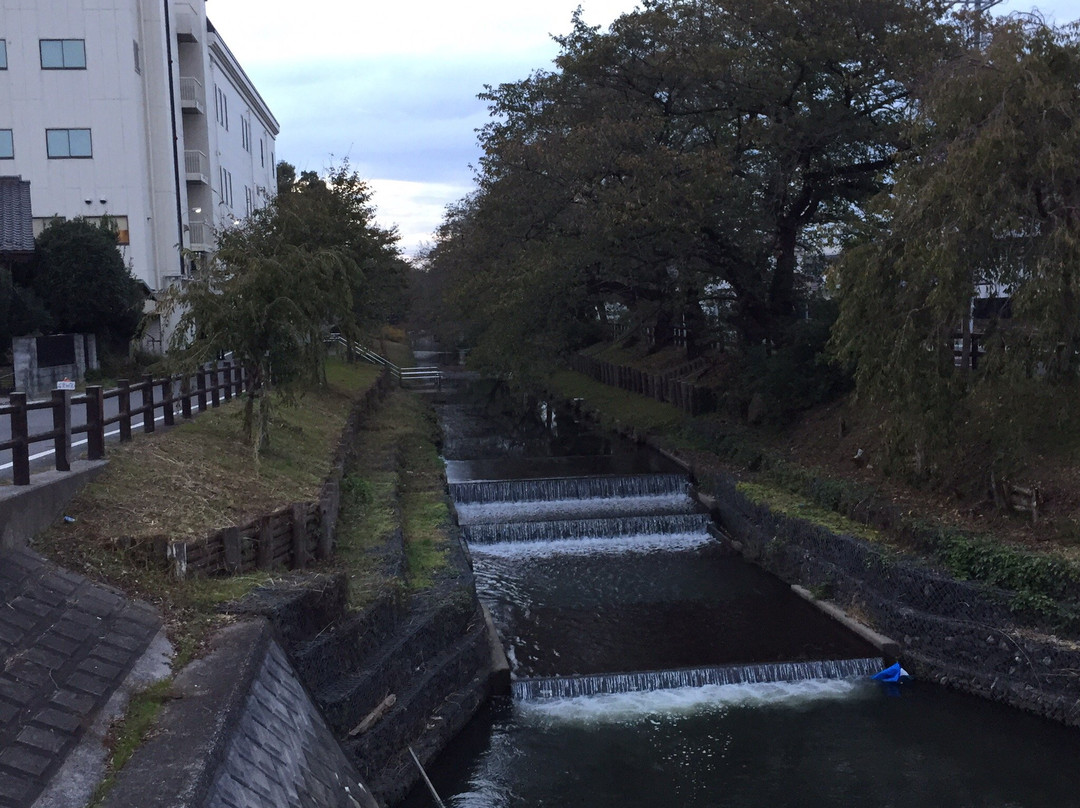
(134, 109)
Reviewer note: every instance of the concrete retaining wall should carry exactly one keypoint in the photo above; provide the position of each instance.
(25, 510)
(240, 731)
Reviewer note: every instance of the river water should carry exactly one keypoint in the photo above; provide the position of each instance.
(653, 669)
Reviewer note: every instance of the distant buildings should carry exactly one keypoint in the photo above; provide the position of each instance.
(135, 109)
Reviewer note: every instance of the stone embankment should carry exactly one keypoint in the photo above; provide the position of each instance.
(963, 634)
(301, 701)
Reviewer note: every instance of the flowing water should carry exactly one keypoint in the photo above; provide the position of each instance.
(650, 668)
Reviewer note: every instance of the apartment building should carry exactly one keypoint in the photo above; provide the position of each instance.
(134, 109)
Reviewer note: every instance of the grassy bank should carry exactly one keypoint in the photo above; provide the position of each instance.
(1044, 578)
(190, 480)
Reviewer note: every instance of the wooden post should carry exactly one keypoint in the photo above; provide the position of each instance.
(185, 396)
(20, 431)
(230, 537)
(148, 405)
(95, 422)
(167, 400)
(215, 386)
(226, 379)
(200, 389)
(238, 379)
(326, 534)
(266, 543)
(61, 412)
(176, 556)
(124, 399)
(299, 535)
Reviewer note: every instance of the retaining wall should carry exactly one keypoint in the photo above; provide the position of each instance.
(959, 633)
(240, 730)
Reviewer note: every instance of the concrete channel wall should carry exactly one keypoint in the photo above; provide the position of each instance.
(240, 731)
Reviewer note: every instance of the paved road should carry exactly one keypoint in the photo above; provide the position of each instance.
(67, 644)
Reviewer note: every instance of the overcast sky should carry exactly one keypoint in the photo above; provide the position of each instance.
(392, 84)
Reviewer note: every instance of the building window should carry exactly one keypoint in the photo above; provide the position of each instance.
(221, 107)
(262, 153)
(225, 177)
(249, 200)
(3, 54)
(118, 224)
(138, 57)
(245, 134)
(7, 145)
(41, 222)
(61, 143)
(63, 54)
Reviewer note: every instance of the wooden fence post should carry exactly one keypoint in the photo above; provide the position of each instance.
(226, 379)
(230, 538)
(20, 431)
(167, 400)
(299, 536)
(200, 389)
(124, 399)
(61, 413)
(185, 396)
(215, 386)
(95, 422)
(149, 425)
(266, 543)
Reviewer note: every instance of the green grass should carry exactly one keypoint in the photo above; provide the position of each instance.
(785, 502)
(395, 481)
(127, 734)
(620, 408)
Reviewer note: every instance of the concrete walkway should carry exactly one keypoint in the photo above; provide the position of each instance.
(66, 644)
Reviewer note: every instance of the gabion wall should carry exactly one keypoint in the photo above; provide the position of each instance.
(963, 634)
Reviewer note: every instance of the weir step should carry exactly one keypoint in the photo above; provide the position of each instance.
(589, 685)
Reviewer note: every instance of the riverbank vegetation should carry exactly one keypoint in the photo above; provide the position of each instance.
(854, 223)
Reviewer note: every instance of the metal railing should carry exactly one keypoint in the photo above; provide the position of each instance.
(191, 93)
(421, 377)
(196, 166)
(200, 236)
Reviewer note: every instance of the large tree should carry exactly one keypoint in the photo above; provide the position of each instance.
(692, 151)
(988, 203)
(80, 275)
(310, 260)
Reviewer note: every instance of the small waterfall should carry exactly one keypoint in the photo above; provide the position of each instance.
(568, 488)
(571, 686)
(656, 525)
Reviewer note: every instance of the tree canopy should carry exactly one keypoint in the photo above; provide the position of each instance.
(80, 276)
(688, 155)
(310, 260)
(986, 206)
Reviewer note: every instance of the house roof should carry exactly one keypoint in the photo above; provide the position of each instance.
(16, 219)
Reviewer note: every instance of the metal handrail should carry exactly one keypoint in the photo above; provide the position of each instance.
(428, 373)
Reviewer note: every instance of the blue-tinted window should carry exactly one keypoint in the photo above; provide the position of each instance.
(63, 54)
(68, 143)
(7, 145)
(3, 54)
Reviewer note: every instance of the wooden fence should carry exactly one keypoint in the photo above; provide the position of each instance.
(668, 387)
(206, 387)
(290, 537)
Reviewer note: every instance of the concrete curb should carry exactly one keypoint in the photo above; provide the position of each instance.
(890, 649)
(26, 510)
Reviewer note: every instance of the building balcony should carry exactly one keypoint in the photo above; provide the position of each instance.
(188, 27)
(192, 95)
(197, 166)
(200, 237)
